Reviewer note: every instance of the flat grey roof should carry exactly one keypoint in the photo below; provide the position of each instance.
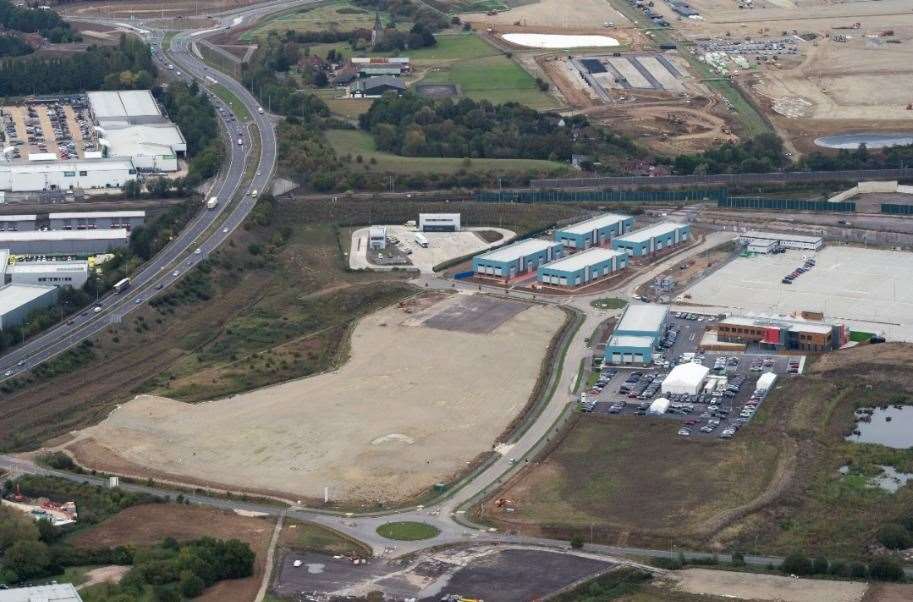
(645, 234)
(58, 592)
(601, 221)
(644, 317)
(580, 260)
(627, 340)
(123, 104)
(80, 214)
(519, 249)
(781, 236)
(39, 267)
(18, 218)
(13, 296)
(101, 234)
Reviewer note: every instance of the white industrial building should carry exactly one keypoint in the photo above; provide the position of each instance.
(766, 381)
(57, 592)
(17, 223)
(377, 238)
(685, 379)
(659, 407)
(761, 240)
(17, 301)
(89, 220)
(439, 222)
(41, 175)
(131, 125)
(64, 242)
(49, 273)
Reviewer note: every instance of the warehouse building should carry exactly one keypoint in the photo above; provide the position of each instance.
(64, 242)
(582, 268)
(647, 241)
(759, 240)
(49, 273)
(636, 334)
(90, 220)
(17, 223)
(596, 232)
(516, 259)
(377, 238)
(17, 301)
(43, 175)
(439, 222)
(56, 592)
(131, 125)
(782, 334)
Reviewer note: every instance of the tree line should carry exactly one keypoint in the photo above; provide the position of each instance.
(191, 110)
(125, 66)
(31, 20)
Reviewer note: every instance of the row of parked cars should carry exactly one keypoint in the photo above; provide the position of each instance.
(807, 266)
(606, 374)
(765, 365)
(641, 385)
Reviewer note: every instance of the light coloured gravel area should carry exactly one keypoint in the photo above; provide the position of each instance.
(747, 586)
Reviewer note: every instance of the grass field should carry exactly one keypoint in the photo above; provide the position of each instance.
(356, 142)
(314, 538)
(407, 531)
(774, 489)
(608, 303)
(454, 47)
(332, 16)
(494, 78)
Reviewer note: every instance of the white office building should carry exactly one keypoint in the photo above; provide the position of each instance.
(377, 238)
(439, 222)
(49, 273)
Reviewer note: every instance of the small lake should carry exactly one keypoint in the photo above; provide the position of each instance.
(890, 426)
(889, 480)
(870, 139)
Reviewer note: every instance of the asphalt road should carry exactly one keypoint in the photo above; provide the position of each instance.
(208, 230)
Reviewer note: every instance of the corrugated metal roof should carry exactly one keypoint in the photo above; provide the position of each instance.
(519, 249)
(580, 260)
(123, 104)
(643, 317)
(758, 234)
(88, 214)
(39, 235)
(645, 234)
(13, 296)
(18, 218)
(38, 267)
(58, 592)
(587, 226)
(627, 340)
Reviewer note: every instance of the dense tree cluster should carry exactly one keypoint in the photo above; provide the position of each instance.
(13, 45)
(414, 126)
(125, 66)
(762, 153)
(861, 158)
(30, 20)
(191, 110)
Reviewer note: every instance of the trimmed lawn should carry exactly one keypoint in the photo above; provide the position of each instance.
(357, 142)
(407, 531)
(494, 78)
(454, 47)
(335, 16)
(608, 303)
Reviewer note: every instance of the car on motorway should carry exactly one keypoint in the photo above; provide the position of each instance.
(7, 373)
(197, 251)
(159, 286)
(96, 309)
(176, 273)
(225, 230)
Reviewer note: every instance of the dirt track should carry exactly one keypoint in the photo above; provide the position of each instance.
(409, 409)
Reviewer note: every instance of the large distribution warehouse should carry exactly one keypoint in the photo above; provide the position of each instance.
(17, 223)
(516, 259)
(583, 267)
(65, 175)
(89, 220)
(636, 334)
(647, 241)
(64, 242)
(17, 301)
(598, 231)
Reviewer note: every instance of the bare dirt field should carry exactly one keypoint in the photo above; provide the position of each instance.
(412, 406)
(746, 586)
(552, 14)
(885, 592)
(168, 8)
(151, 523)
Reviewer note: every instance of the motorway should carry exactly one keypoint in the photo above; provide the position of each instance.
(205, 232)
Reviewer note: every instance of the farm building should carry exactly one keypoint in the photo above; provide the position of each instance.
(582, 268)
(439, 222)
(647, 241)
(784, 241)
(64, 242)
(685, 379)
(782, 334)
(377, 238)
(50, 273)
(55, 174)
(636, 334)
(516, 259)
(17, 223)
(373, 87)
(17, 301)
(89, 220)
(598, 231)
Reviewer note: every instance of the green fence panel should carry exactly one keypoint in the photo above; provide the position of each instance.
(601, 196)
(784, 204)
(893, 209)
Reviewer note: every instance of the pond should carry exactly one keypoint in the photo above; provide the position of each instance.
(870, 139)
(891, 426)
(889, 480)
(545, 40)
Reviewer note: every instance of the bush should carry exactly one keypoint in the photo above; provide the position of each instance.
(662, 562)
(859, 571)
(738, 559)
(797, 563)
(839, 568)
(577, 542)
(894, 537)
(191, 586)
(885, 569)
(57, 460)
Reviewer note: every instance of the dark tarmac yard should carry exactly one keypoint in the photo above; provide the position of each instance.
(492, 573)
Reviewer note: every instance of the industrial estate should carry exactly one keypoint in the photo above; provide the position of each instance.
(501, 300)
